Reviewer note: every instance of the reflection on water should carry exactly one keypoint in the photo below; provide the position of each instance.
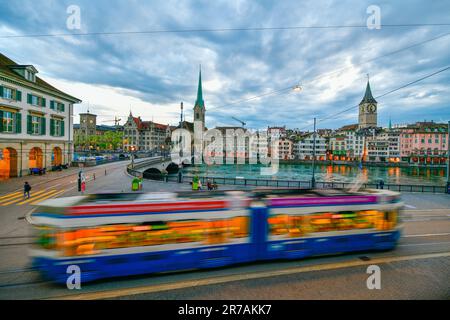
(328, 173)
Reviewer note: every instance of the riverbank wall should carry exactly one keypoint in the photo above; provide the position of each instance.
(365, 164)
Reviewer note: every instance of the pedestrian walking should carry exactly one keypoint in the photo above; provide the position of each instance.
(83, 183)
(26, 190)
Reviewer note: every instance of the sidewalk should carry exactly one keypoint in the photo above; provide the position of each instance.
(35, 180)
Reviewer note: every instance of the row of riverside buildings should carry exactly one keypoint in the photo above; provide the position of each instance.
(421, 143)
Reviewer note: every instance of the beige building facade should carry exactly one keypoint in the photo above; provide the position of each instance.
(36, 125)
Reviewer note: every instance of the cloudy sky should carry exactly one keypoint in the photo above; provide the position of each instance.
(152, 73)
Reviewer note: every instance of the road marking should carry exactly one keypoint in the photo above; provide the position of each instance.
(17, 196)
(410, 206)
(422, 244)
(16, 200)
(48, 196)
(10, 195)
(38, 197)
(111, 294)
(426, 235)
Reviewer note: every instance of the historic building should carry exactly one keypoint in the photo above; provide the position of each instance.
(141, 135)
(338, 147)
(88, 127)
(199, 114)
(368, 110)
(424, 143)
(285, 149)
(36, 129)
(305, 147)
(199, 106)
(384, 146)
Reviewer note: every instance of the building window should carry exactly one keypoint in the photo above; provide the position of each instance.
(58, 128)
(7, 93)
(10, 93)
(35, 100)
(35, 123)
(58, 106)
(7, 122)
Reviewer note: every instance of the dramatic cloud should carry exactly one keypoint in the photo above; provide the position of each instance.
(152, 73)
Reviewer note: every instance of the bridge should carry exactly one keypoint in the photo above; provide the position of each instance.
(155, 166)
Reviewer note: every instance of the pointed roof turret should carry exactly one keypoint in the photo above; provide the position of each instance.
(199, 102)
(368, 98)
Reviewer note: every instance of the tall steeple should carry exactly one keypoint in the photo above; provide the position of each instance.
(199, 107)
(368, 98)
(199, 102)
(367, 109)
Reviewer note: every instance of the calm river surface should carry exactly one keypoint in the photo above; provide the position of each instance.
(328, 173)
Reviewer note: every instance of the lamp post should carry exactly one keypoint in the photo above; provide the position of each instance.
(132, 157)
(313, 178)
(448, 158)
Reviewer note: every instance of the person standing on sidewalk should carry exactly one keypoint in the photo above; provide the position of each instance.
(83, 183)
(26, 190)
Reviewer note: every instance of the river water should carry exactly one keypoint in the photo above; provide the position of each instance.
(327, 173)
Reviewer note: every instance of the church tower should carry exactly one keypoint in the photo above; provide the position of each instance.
(199, 107)
(368, 110)
(88, 123)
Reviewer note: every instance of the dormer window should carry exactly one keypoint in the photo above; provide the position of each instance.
(26, 71)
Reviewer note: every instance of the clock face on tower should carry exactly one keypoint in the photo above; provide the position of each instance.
(372, 108)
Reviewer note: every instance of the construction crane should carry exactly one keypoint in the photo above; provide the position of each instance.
(116, 121)
(242, 122)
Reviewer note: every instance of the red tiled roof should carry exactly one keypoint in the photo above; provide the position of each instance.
(147, 124)
(349, 127)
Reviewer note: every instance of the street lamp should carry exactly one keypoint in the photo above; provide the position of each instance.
(313, 178)
(448, 158)
(132, 157)
(297, 88)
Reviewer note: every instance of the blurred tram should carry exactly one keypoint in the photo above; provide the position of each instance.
(110, 235)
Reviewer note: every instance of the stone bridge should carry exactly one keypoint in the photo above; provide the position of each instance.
(157, 165)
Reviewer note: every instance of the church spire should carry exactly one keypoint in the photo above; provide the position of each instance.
(368, 98)
(199, 102)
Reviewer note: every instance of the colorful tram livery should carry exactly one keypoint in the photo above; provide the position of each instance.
(109, 235)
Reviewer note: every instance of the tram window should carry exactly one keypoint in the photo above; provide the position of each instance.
(46, 237)
(299, 225)
(91, 240)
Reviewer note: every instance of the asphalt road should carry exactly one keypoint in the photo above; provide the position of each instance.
(419, 268)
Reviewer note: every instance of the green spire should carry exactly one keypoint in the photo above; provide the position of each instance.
(368, 98)
(390, 123)
(199, 102)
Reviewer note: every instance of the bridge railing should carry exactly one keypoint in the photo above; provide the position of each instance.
(307, 184)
